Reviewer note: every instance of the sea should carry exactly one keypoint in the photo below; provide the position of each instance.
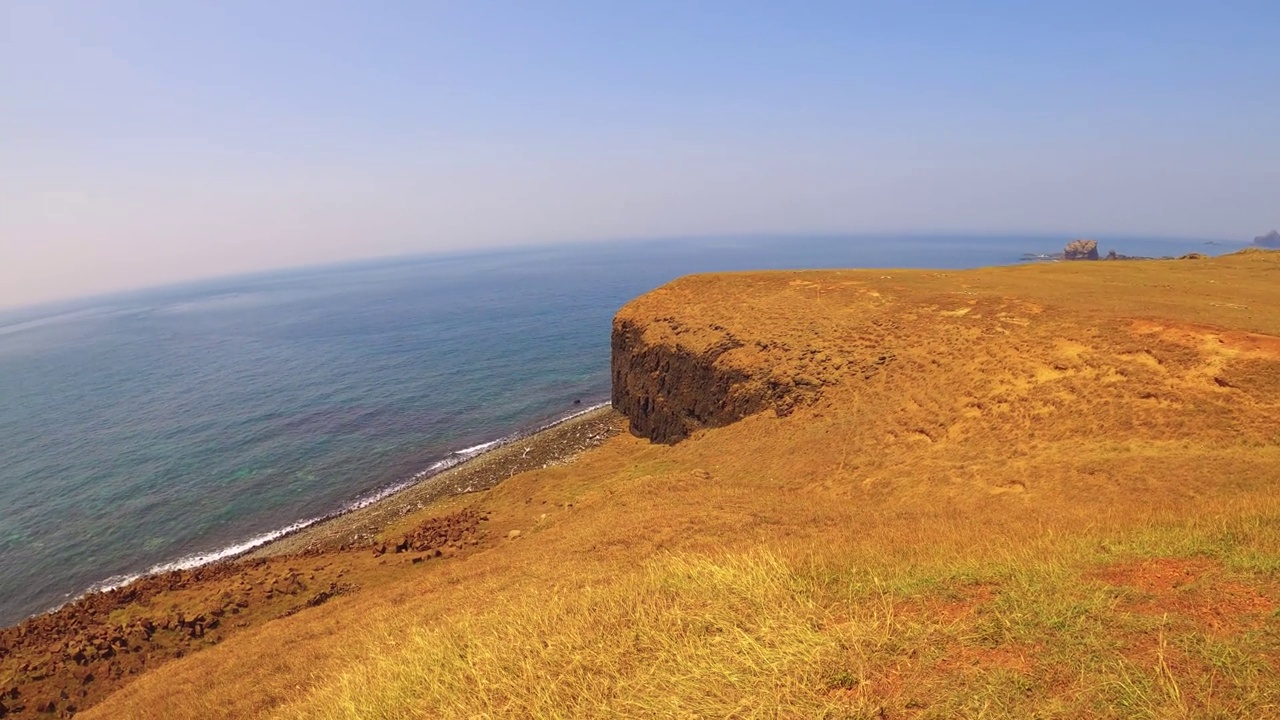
(176, 426)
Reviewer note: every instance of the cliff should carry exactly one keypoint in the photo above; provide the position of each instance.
(683, 361)
(670, 378)
(995, 356)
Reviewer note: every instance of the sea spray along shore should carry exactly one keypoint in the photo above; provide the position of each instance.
(478, 467)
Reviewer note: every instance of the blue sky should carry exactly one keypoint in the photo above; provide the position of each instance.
(147, 142)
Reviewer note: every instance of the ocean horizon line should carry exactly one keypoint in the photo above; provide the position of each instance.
(58, 305)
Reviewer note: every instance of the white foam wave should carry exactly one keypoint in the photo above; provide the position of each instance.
(457, 457)
(196, 560)
(572, 415)
(477, 449)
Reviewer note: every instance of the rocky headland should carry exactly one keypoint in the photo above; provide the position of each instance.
(707, 351)
(1271, 240)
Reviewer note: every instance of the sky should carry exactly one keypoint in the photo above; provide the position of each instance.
(144, 143)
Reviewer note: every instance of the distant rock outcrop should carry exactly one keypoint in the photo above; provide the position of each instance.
(1270, 240)
(1081, 250)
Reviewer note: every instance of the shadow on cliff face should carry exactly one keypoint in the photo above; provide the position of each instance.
(668, 389)
(668, 392)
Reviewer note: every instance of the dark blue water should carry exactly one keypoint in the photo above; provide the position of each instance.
(146, 428)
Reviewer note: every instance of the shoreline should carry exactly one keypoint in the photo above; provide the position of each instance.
(72, 657)
(471, 469)
(553, 443)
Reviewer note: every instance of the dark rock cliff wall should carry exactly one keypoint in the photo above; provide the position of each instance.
(668, 389)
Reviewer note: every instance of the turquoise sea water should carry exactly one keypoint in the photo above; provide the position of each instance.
(179, 424)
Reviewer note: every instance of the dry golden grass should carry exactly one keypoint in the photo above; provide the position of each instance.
(752, 635)
(1058, 499)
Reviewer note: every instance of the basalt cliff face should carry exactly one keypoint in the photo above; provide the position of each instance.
(669, 385)
(668, 390)
(676, 373)
(671, 378)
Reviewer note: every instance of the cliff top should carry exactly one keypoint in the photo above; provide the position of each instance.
(795, 336)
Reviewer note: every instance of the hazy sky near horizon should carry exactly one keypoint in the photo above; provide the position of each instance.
(151, 142)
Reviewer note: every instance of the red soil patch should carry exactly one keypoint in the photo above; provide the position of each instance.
(966, 658)
(1194, 589)
(958, 603)
(887, 688)
(1192, 595)
(1196, 336)
(962, 601)
(1160, 575)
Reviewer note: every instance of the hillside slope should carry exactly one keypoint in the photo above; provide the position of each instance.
(1046, 489)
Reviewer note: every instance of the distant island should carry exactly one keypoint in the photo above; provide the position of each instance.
(1083, 249)
(1270, 240)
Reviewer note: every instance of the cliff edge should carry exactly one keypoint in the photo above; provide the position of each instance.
(672, 376)
(1002, 354)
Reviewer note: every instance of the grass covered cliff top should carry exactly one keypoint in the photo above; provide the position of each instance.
(1029, 491)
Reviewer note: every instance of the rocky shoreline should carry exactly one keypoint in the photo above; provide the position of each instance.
(360, 527)
(61, 662)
